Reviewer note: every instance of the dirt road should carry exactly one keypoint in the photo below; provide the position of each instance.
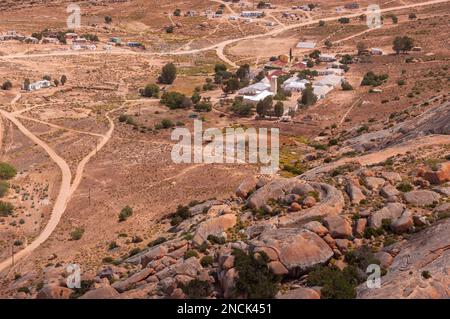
(219, 47)
(381, 156)
(67, 188)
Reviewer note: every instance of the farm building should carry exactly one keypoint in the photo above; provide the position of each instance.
(294, 84)
(331, 80)
(252, 14)
(327, 58)
(306, 45)
(39, 85)
(376, 51)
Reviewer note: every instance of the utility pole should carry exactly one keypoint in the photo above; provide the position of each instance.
(89, 196)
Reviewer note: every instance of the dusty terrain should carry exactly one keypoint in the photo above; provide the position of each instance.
(78, 164)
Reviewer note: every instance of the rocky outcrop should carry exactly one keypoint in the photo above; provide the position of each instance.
(214, 226)
(54, 291)
(338, 226)
(296, 249)
(300, 293)
(425, 252)
(331, 203)
(421, 197)
(247, 187)
(391, 211)
(438, 176)
(106, 292)
(354, 191)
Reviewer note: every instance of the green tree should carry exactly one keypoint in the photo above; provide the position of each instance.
(177, 12)
(26, 84)
(7, 85)
(243, 72)
(402, 44)
(264, 107)
(279, 109)
(63, 79)
(308, 97)
(168, 74)
(150, 90)
(108, 19)
(7, 171)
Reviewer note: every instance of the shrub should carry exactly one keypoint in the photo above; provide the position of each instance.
(150, 90)
(6, 209)
(7, 85)
(166, 123)
(426, 274)
(168, 74)
(206, 261)
(336, 284)
(401, 82)
(361, 258)
(196, 289)
(180, 214)
(134, 252)
(372, 79)
(4, 186)
(24, 289)
(7, 171)
(255, 280)
(216, 240)
(157, 241)
(77, 233)
(405, 187)
(112, 245)
(107, 260)
(190, 253)
(175, 100)
(203, 106)
(346, 86)
(344, 20)
(126, 212)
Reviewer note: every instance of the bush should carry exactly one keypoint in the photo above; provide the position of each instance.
(344, 20)
(168, 74)
(336, 284)
(77, 233)
(190, 253)
(157, 241)
(112, 245)
(4, 186)
(346, 86)
(166, 123)
(372, 79)
(426, 274)
(7, 171)
(405, 187)
(361, 258)
(216, 240)
(151, 90)
(175, 100)
(196, 289)
(180, 214)
(7, 85)
(255, 280)
(6, 209)
(206, 261)
(126, 212)
(134, 252)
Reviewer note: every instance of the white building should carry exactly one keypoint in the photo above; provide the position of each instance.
(321, 91)
(254, 99)
(306, 45)
(294, 84)
(327, 58)
(376, 51)
(252, 14)
(331, 80)
(39, 85)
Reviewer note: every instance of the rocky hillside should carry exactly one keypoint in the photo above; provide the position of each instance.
(289, 238)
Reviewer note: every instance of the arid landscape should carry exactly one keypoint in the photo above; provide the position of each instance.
(93, 95)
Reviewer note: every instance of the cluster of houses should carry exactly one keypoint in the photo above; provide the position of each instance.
(328, 79)
(13, 35)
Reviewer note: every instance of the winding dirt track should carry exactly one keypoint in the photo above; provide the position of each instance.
(67, 188)
(220, 47)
